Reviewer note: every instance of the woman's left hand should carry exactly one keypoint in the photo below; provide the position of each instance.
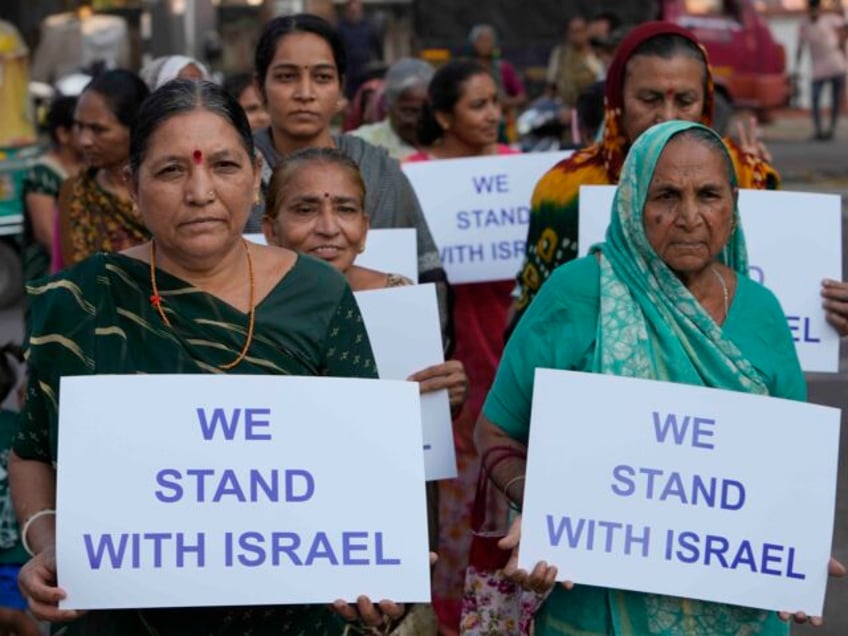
(749, 139)
(835, 569)
(448, 375)
(367, 613)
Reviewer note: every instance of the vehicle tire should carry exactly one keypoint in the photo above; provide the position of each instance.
(722, 111)
(11, 276)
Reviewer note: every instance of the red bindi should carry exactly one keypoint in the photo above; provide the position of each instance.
(198, 157)
(669, 93)
(326, 195)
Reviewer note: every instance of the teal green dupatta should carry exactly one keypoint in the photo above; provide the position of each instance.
(651, 326)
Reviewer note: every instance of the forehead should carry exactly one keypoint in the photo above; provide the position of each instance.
(92, 105)
(198, 129)
(416, 93)
(317, 177)
(686, 157)
(476, 85)
(303, 49)
(678, 72)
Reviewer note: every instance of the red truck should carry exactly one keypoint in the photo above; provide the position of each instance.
(749, 65)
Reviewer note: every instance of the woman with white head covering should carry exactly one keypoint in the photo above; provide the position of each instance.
(405, 92)
(164, 69)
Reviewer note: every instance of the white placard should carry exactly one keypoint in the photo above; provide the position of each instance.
(681, 490)
(389, 250)
(478, 210)
(406, 336)
(285, 511)
(794, 240)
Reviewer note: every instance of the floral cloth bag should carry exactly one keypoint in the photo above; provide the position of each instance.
(492, 605)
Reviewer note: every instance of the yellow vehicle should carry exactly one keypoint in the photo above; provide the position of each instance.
(18, 147)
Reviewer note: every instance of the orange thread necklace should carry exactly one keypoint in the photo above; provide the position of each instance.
(156, 301)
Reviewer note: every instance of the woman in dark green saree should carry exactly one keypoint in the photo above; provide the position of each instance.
(195, 299)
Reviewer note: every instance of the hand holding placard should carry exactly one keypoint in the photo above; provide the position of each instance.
(37, 580)
(693, 513)
(247, 496)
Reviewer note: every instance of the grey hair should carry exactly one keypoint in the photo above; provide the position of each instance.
(479, 29)
(404, 74)
(711, 139)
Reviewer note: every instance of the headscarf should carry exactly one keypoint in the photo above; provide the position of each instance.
(651, 326)
(615, 142)
(552, 233)
(164, 69)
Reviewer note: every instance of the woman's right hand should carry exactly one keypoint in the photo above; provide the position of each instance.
(448, 375)
(37, 580)
(541, 579)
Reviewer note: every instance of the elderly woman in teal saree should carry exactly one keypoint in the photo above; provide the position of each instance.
(666, 297)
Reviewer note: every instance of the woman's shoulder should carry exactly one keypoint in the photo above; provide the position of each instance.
(321, 277)
(573, 286)
(758, 299)
(363, 152)
(561, 184)
(752, 171)
(580, 276)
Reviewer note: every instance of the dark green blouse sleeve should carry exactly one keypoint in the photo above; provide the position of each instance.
(347, 347)
(60, 342)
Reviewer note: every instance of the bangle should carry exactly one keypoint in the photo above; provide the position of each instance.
(510, 483)
(28, 523)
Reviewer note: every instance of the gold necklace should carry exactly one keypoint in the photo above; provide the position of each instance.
(723, 288)
(156, 301)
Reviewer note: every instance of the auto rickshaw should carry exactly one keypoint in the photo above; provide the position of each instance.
(18, 148)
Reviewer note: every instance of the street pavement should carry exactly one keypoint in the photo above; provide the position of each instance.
(805, 165)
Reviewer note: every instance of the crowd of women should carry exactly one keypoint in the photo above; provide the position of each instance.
(155, 277)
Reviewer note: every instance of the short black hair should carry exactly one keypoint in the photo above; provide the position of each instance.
(278, 28)
(123, 92)
(60, 115)
(236, 84)
(183, 96)
(444, 92)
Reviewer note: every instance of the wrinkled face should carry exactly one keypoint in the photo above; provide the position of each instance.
(578, 33)
(103, 140)
(484, 45)
(405, 113)
(195, 185)
(321, 213)
(251, 102)
(302, 87)
(688, 215)
(658, 89)
(477, 114)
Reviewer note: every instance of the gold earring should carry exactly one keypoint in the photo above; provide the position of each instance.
(256, 199)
